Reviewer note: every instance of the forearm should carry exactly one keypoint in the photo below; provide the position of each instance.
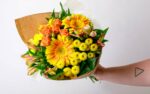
(133, 74)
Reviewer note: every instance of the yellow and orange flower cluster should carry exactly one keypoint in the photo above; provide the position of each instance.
(66, 47)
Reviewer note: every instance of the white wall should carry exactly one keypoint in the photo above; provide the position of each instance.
(129, 22)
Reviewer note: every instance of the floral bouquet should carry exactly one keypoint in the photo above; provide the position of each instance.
(63, 46)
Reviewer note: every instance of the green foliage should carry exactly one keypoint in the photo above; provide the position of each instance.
(101, 34)
(40, 66)
(59, 72)
(91, 63)
(64, 13)
(104, 40)
(40, 62)
(53, 14)
(93, 79)
(87, 66)
(69, 13)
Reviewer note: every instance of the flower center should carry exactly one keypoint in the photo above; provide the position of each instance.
(61, 50)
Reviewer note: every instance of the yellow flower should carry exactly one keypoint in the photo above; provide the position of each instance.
(83, 56)
(59, 51)
(36, 39)
(76, 55)
(50, 22)
(76, 43)
(94, 47)
(83, 47)
(67, 63)
(67, 71)
(91, 55)
(75, 70)
(89, 41)
(74, 62)
(60, 64)
(76, 22)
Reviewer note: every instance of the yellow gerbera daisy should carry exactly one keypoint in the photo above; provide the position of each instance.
(76, 22)
(59, 51)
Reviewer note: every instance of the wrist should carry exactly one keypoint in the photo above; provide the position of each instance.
(99, 73)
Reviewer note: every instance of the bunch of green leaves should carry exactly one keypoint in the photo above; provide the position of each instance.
(101, 35)
(63, 13)
(40, 62)
(87, 66)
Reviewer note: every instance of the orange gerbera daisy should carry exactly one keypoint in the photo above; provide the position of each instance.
(76, 22)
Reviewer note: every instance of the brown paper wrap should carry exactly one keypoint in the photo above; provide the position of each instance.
(27, 26)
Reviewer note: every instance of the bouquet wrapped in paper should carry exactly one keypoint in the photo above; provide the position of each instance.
(61, 46)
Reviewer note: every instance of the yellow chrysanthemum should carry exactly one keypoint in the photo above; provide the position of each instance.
(67, 71)
(75, 70)
(76, 22)
(36, 39)
(59, 51)
(50, 22)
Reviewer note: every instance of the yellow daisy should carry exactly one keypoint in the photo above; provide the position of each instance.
(59, 51)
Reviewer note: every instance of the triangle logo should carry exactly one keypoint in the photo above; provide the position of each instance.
(138, 71)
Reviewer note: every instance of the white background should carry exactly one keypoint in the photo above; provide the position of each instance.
(129, 41)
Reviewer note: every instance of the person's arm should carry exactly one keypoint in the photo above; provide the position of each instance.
(134, 74)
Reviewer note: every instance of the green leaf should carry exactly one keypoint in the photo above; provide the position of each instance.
(30, 52)
(27, 52)
(93, 79)
(82, 65)
(87, 66)
(40, 66)
(103, 34)
(41, 72)
(84, 70)
(53, 14)
(59, 72)
(69, 13)
(104, 40)
(99, 33)
(91, 63)
(105, 31)
(63, 14)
